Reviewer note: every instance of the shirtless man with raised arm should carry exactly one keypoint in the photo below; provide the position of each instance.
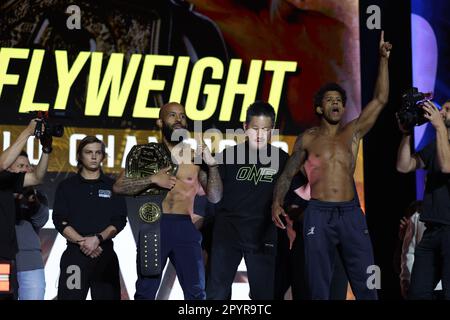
(180, 240)
(327, 156)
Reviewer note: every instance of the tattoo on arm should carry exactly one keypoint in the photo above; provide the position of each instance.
(212, 184)
(292, 167)
(131, 186)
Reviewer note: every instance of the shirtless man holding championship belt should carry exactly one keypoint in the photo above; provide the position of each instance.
(164, 189)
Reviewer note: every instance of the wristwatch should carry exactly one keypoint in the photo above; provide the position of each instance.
(100, 237)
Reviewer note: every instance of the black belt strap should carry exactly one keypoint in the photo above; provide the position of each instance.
(149, 236)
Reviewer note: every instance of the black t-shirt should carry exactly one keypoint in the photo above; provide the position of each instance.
(436, 200)
(244, 213)
(88, 206)
(9, 184)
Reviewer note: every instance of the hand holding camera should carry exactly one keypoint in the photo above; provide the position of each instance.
(401, 126)
(411, 112)
(46, 142)
(31, 128)
(431, 112)
(45, 130)
(45, 126)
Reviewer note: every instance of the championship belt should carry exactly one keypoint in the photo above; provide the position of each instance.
(143, 161)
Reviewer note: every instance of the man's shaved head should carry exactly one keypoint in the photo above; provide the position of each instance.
(164, 109)
(171, 117)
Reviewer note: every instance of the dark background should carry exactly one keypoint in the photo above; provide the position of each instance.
(387, 192)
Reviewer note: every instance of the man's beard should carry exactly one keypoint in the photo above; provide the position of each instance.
(173, 135)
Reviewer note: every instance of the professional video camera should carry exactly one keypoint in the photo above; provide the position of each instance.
(45, 127)
(411, 112)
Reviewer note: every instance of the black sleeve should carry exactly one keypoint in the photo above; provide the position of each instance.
(291, 197)
(19, 181)
(40, 218)
(5, 180)
(60, 215)
(427, 154)
(119, 216)
(12, 181)
(297, 181)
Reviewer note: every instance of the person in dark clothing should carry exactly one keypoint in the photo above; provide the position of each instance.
(290, 265)
(31, 215)
(290, 259)
(88, 214)
(242, 226)
(11, 183)
(432, 256)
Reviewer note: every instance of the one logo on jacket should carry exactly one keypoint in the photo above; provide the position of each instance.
(104, 193)
(252, 173)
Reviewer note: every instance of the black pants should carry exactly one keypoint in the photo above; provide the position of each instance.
(290, 270)
(224, 261)
(181, 243)
(339, 281)
(290, 267)
(341, 225)
(431, 263)
(79, 272)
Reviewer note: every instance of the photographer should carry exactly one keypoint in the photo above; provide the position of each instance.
(432, 257)
(31, 215)
(11, 183)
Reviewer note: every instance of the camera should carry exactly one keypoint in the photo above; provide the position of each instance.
(27, 204)
(411, 112)
(45, 126)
